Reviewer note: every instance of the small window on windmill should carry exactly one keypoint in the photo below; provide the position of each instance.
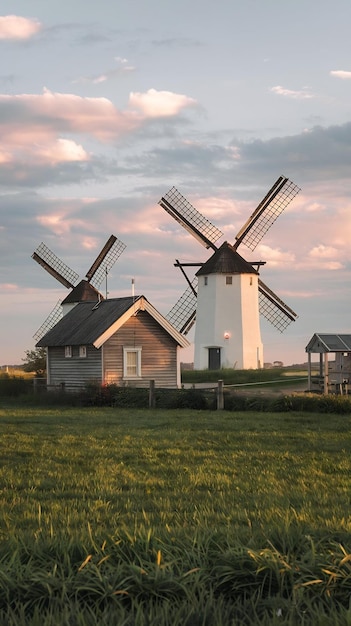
(205, 281)
(82, 352)
(68, 352)
(229, 280)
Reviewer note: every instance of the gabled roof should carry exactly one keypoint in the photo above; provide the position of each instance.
(83, 292)
(88, 323)
(327, 342)
(226, 260)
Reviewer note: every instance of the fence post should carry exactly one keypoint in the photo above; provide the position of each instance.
(220, 396)
(152, 394)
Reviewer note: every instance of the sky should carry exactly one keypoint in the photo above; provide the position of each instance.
(105, 106)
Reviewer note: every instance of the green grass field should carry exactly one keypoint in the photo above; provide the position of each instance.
(138, 517)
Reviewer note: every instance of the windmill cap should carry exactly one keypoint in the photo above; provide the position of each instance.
(83, 292)
(226, 260)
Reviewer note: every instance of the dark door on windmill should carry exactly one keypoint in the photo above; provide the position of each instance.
(214, 358)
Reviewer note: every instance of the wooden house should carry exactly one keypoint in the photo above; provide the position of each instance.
(121, 340)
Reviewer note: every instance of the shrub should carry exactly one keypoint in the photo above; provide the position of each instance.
(14, 386)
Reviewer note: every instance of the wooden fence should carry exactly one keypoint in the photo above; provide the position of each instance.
(39, 386)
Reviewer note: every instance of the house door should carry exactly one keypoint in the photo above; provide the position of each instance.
(214, 358)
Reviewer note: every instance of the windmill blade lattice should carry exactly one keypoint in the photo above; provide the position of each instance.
(272, 205)
(54, 266)
(105, 260)
(273, 309)
(194, 222)
(51, 320)
(182, 314)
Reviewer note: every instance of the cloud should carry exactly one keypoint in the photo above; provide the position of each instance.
(275, 256)
(25, 117)
(315, 207)
(323, 153)
(159, 103)
(16, 27)
(123, 67)
(60, 223)
(289, 93)
(61, 150)
(343, 74)
(37, 129)
(8, 287)
(323, 251)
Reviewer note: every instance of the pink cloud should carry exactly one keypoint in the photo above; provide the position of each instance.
(60, 151)
(38, 121)
(16, 27)
(8, 287)
(303, 94)
(62, 223)
(159, 103)
(323, 252)
(343, 74)
(275, 256)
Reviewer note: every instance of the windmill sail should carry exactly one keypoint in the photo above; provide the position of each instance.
(108, 256)
(279, 314)
(54, 266)
(269, 209)
(51, 320)
(194, 222)
(182, 315)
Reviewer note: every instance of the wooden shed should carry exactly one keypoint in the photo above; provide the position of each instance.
(334, 352)
(122, 340)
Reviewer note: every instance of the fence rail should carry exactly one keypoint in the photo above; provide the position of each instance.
(195, 394)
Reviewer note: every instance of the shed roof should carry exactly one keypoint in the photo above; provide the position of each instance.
(328, 342)
(93, 323)
(226, 260)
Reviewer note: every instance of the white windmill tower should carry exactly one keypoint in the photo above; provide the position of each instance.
(226, 296)
(85, 290)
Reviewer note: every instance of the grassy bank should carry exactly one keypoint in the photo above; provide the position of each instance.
(113, 516)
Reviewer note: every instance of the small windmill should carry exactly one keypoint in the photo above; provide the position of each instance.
(86, 289)
(226, 296)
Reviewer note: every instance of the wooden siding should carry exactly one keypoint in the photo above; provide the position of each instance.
(75, 371)
(158, 355)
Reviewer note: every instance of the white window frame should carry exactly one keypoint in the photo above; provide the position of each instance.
(82, 352)
(137, 373)
(68, 352)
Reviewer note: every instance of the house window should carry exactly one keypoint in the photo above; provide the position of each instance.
(131, 362)
(229, 280)
(205, 281)
(82, 352)
(68, 352)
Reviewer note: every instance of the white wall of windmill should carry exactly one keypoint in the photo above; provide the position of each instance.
(66, 308)
(228, 318)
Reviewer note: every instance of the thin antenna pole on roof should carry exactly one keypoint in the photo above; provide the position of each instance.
(106, 272)
(133, 290)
